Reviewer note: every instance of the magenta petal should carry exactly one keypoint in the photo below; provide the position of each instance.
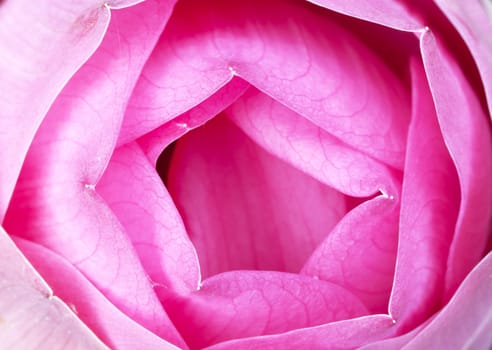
(116, 329)
(349, 92)
(466, 131)
(349, 334)
(359, 254)
(389, 13)
(31, 316)
(309, 148)
(41, 48)
(55, 203)
(249, 303)
(136, 195)
(473, 20)
(154, 142)
(429, 208)
(465, 322)
(244, 208)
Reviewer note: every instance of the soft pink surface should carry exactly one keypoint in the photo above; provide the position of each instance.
(155, 141)
(359, 254)
(136, 195)
(348, 92)
(243, 208)
(465, 322)
(429, 208)
(112, 326)
(466, 131)
(345, 335)
(31, 316)
(55, 203)
(473, 19)
(249, 303)
(389, 13)
(311, 149)
(41, 48)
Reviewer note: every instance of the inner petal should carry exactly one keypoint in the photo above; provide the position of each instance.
(243, 207)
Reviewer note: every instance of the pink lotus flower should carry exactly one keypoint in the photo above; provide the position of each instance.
(245, 174)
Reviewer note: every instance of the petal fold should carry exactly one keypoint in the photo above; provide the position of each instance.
(31, 316)
(249, 303)
(42, 47)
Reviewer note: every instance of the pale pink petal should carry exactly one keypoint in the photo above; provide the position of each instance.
(429, 208)
(55, 202)
(395, 343)
(31, 317)
(309, 148)
(389, 13)
(465, 322)
(244, 208)
(466, 131)
(154, 142)
(115, 328)
(136, 195)
(360, 253)
(473, 19)
(41, 47)
(349, 334)
(250, 303)
(348, 92)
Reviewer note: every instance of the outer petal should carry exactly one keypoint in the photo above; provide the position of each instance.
(473, 19)
(136, 195)
(309, 148)
(255, 212)
(31, 316)
(466, 131)
(248, 303)
(115, 328)
(359, 253)
(55, 202)
(465, 322)
(389, 13)
(429, 208)
(41, 47)
(349, 334)
(154, 142)
(205, 44)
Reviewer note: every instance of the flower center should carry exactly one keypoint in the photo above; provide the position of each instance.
(243, 208)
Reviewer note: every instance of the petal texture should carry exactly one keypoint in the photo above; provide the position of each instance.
(466, 131)
(359, 253)
(309, 148)
(349, 92)
(31, 316)
(115, 328)
(464, 323)
(429, 209)
(249, 303)
(41, 48)
(55, 203)
(473, 19)
(349, 334)
(243, 208)
(136, 195)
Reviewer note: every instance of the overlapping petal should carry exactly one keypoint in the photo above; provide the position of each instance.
(55, 202)
(31, 316)
(42, 47)
(466, 131)
(429, 209)
(249, 303)
(112, 326)
(242, 207)
(348, 92)
(136, 195)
